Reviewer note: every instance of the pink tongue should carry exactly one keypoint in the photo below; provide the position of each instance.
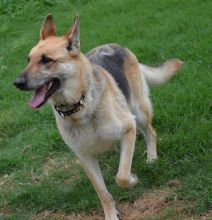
(39, 97)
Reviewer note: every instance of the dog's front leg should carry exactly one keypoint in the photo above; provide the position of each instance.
(124, 178)
(92, 169)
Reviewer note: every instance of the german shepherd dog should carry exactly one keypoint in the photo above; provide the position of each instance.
(97, 99)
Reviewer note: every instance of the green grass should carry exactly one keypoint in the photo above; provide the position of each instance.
(38, 172)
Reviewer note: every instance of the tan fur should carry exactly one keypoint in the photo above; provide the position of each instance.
(106, 115)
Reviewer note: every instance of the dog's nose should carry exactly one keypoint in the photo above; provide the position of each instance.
(20, 83)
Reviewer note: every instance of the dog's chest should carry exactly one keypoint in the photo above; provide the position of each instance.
(89, 138)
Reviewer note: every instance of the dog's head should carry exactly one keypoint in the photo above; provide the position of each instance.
(50, 62)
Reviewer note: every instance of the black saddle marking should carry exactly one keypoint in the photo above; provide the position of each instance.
(113, 63)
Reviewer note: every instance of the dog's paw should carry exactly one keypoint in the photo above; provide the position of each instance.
(151, 159)
(112, 215)
(111, 218)
(127, 181)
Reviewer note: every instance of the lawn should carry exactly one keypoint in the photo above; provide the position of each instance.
(38, 172)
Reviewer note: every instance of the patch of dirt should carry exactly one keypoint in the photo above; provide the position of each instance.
(149, 204)
(4, 212)
(57, 164)
(152, 204)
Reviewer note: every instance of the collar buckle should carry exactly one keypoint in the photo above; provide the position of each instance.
(61, 114)
(59, 111)
(74, 108)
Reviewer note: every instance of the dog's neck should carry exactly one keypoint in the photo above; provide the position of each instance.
(68, 110)
(73, 99)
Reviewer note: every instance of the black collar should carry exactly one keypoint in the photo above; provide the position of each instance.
(70, 109)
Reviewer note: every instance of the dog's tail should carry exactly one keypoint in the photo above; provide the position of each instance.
(161, 74)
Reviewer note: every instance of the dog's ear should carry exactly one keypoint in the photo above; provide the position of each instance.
(74, 37)
(47, 28)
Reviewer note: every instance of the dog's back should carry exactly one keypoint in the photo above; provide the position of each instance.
(112, 57)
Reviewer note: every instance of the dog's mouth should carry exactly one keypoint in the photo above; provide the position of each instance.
(43, 93)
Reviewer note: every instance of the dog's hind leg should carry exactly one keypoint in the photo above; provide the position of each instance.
(92, 169)
(143, 113)
(124, 177)
(141, 104)
(150, 138)
(142, 109)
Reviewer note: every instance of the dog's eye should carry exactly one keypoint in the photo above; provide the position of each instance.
(44, 59)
